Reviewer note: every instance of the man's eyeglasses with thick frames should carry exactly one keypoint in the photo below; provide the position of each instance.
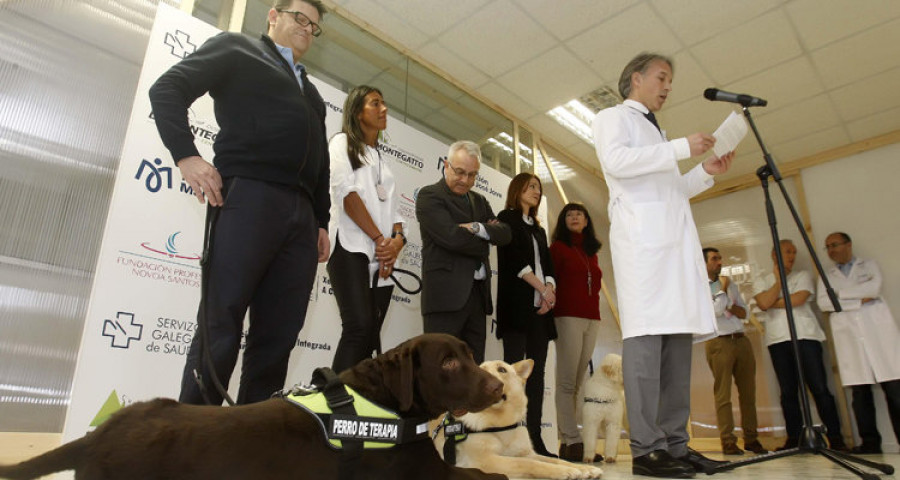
(304, 21)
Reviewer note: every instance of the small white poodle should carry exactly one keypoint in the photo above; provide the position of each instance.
(604, 405)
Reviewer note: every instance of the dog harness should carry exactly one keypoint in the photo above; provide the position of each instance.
(351, 422)
(456, 432)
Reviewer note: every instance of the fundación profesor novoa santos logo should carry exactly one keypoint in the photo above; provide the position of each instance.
(122, 330)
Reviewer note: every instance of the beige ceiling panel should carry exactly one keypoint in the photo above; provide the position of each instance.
(782, 85)
(811, 144)
(576, 17)
(802, 119)
(859, 56)
(695, 115)
(446, 60)
(610, 45)
(371, 12)
(748, 49)
(873, 125)
(497, 38)
(508, 101)
(820, 22)
(690, 80)
(551, 79)
(431, 17)
(868, 97)
(697, 20)
(550, 129)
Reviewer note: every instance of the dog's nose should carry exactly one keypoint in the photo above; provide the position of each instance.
(494, 388)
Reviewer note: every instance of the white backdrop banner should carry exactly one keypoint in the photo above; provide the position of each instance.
(142, 314)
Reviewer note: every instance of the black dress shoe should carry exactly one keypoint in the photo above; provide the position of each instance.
(701, 463)
(659, 463)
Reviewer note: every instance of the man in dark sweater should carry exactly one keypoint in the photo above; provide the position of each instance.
(271, 178)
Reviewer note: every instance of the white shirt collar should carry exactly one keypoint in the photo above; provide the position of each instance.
(636, 105)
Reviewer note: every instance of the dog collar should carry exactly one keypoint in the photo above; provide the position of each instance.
(598, 400)
(456, 432)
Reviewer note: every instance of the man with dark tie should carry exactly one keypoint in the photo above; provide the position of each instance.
(270, 176)
(458, 227)
(660, 274)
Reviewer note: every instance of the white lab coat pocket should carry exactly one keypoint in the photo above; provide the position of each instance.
(656, 224)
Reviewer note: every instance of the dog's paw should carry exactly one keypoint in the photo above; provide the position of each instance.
(610, 459)
(591, 472)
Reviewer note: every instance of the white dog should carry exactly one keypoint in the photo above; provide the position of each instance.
(497, 442)
(604, 405)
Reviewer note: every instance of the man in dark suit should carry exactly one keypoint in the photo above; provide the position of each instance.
(458, 228)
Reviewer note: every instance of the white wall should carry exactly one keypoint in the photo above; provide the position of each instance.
(860, 195)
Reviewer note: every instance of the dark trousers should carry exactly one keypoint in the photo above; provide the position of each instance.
(468, 324)
(264, 258)
(864, 410)
(532, 344)
(362, 309)
(814, 372)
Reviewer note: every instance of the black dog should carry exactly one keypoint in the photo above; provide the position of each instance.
(165, 440)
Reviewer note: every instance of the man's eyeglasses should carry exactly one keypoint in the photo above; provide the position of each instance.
(829, 246)
(462, 173)
(304, 21)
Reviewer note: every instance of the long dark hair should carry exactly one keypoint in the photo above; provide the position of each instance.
(353, 105)
(562, 233)
(518, 185)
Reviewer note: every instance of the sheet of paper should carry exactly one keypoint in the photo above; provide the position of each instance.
(729, 134)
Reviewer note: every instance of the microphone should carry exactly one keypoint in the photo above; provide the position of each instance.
(717, 95)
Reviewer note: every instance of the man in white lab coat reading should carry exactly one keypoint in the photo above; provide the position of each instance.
(661, 279)
(866, 337)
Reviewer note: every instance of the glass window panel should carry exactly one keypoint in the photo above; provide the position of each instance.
(215, 12)
(526, 150)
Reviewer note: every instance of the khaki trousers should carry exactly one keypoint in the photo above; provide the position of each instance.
(733, 357)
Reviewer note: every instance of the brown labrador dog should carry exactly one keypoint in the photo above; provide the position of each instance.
(165, 440)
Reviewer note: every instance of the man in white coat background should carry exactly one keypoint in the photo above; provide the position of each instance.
(661, 279)
(866, 338)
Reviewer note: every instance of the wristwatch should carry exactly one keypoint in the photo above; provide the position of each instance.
(398, 233)
(476, 227)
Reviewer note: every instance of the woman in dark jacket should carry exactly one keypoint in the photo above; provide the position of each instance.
(526, 293)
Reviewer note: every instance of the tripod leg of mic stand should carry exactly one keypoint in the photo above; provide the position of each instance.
(834, 455)
(844, 461)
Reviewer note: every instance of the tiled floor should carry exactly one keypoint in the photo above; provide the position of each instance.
(803, 466)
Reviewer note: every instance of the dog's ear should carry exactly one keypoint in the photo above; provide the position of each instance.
(608, 371)
(398, 377)
(524, 368)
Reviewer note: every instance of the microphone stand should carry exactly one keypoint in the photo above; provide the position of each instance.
(811, 439)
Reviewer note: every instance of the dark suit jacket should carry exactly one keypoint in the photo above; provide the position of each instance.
(515, 297)
(451, 254)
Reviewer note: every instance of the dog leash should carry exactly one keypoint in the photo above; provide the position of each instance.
(212, 217)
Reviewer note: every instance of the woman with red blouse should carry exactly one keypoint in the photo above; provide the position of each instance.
(577, 311)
